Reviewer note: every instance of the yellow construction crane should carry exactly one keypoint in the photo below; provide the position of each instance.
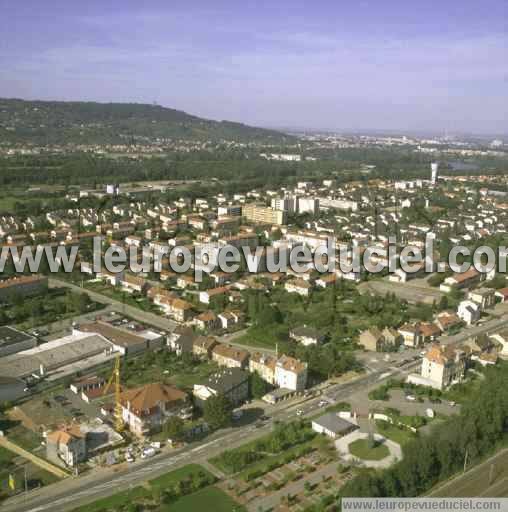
(115, 377)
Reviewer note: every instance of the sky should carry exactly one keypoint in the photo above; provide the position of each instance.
(402, 65)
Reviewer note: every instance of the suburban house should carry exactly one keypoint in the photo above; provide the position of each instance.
(202, 346)
(306, 335)
(206, 321)
(442, 366)
(502, 294)
(176, 308)
(371, 339)
(411, 335)
(232, 383)
(483, 349)
(147, 408)
(131, 283)
(181, 340)
(230, 318)
(391, 337)
(232, 357)
(429, 332)
(461, 280)
(67, 446)
(469, 311)
(446, 321)
(207, 296)
(264, 365)
(290, 373)
(298, 286)
(502, 338)
(484, 297)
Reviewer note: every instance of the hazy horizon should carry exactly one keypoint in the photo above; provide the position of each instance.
(330, 66)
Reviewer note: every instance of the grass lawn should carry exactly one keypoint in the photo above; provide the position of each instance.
(395, 434)
(361, 449)
(210, 498)
(262, 337)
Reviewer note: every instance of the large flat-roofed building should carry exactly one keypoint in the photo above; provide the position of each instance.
(332, 425)
(264, 214)
(80, 349)
(23, 286)
(12, 341)
(124, 341)
(11, 389)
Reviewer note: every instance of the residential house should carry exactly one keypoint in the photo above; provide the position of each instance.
(207, 296)
(202, 346)
(429, 332)
(264, 365)
(298, 286)
(392, 337)
(131, 283)
(181, 340)
(233, 383)
(411, 335)
(306, 335)
(147, 408)
(461, 280)
(206, 321)
(447, 320)
(371, 339)
(229, 319)
(469, 311)
(442, 366)
(67, 446)
(501, 337)
(502, 294)
(232, 357)
(290, 373)
(484, 297)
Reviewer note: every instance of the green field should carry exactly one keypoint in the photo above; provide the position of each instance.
(211, 498)
(361, 449)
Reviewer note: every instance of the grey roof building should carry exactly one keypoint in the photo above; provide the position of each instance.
(332, 425)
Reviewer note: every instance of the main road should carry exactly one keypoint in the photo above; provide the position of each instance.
(102, 482)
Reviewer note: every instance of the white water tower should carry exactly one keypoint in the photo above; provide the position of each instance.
(434, 167)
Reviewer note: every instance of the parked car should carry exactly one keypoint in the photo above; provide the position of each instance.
(410, 398)
(148, 452)
(299, 412)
